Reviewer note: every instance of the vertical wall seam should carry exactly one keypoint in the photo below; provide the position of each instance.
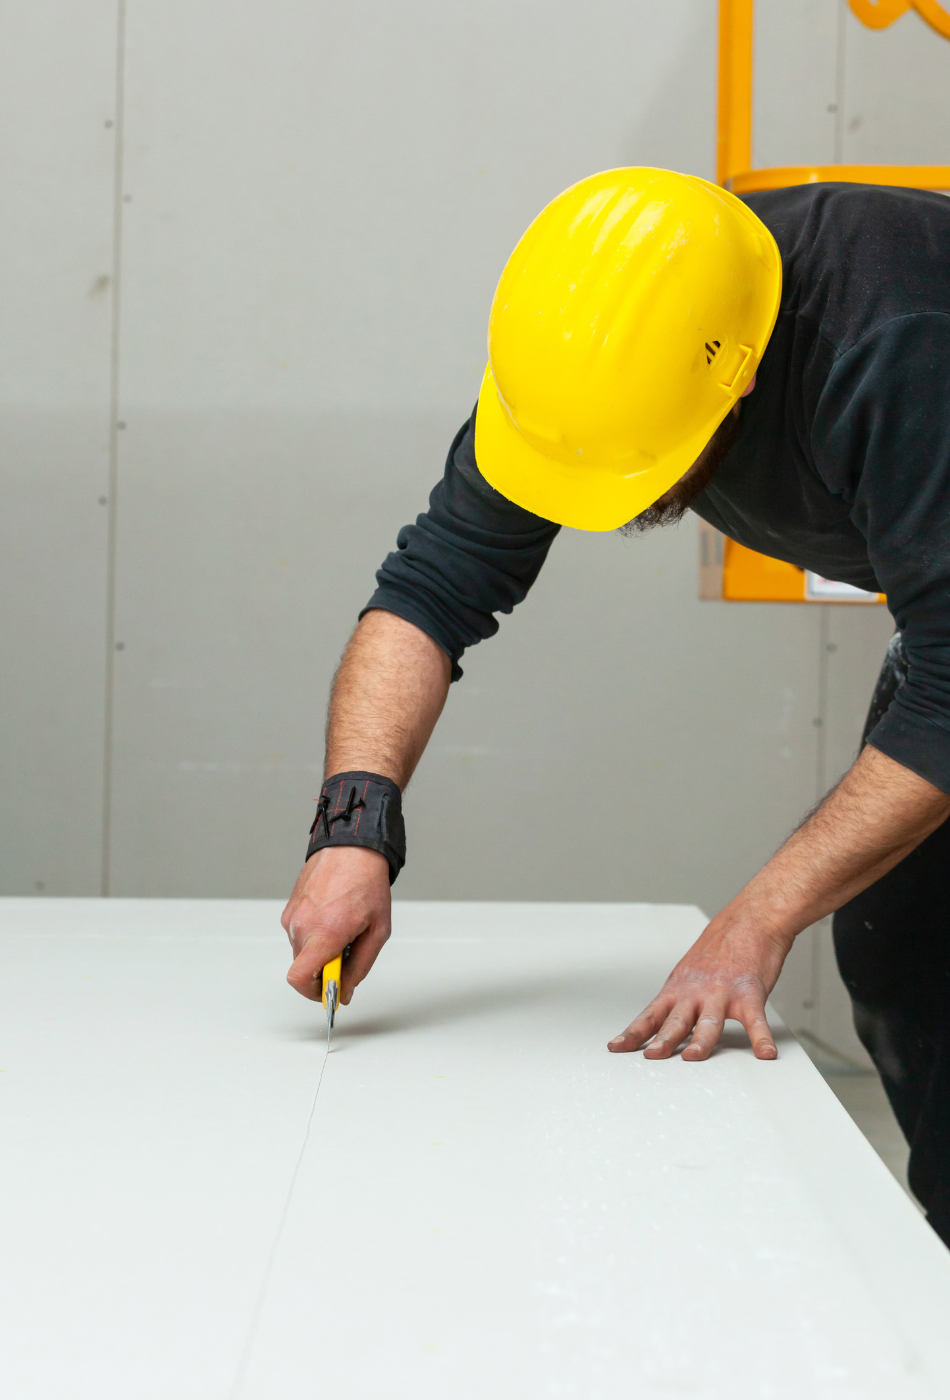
(821, 714)
(821, 785)
(840, 49)
(113, 489)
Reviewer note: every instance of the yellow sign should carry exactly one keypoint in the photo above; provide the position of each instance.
(733, 574)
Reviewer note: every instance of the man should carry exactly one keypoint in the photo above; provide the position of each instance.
(781, 366)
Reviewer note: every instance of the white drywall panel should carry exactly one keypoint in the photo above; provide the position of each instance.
(156, 1077)
(57, 95)
(530, 1216)
(469, 1196)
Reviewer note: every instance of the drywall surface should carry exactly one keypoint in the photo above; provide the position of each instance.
(469, 1196)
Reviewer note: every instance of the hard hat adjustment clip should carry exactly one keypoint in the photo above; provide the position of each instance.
(747, 353)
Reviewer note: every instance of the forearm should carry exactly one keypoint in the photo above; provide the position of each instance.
(878, 814)
(387, 696)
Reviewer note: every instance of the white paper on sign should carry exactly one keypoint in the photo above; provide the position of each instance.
(826, 590)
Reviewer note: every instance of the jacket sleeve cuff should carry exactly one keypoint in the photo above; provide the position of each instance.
(915, 742)
(406, 605)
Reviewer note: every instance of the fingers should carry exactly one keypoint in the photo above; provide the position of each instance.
(706, 1032)
(672, 1033)
(363, 953)
(639, 1031)
(757, 1028)
(726, 975)
(341, 900)
(662, 1028)
(664, 1024)
(306, 972)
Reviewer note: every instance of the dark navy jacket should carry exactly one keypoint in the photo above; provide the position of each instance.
(841, 463)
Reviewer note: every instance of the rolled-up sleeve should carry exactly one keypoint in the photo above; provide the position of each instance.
(471, 555)
(882, 432)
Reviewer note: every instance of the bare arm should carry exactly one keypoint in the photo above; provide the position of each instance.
(875, 816)
(388, 693)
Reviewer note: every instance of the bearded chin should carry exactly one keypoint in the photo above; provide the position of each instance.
(673, 504)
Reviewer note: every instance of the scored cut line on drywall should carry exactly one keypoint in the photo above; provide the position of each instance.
(244, 1362)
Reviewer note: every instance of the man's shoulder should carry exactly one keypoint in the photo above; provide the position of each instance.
(856, 256)
(881, 224)
(847, 203)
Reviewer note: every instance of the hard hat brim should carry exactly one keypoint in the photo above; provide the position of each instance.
(584, 497)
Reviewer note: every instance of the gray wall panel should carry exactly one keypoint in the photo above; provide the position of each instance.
(620, 737)
(57, 90)
(855, 640)
(320, 203)
(322, 197)
(244, 558)
(851, 645)
(897, 93)
(795, 82)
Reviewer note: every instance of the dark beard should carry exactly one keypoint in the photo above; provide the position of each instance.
(673, 504)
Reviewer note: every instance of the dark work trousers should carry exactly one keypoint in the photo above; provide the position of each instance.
(893, 948)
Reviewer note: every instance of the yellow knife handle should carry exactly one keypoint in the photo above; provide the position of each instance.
(333, 972)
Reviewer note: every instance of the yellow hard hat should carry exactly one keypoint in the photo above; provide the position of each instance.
(626, 324)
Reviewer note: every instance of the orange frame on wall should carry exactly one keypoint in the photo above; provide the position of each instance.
(727, 570)
(734, 120)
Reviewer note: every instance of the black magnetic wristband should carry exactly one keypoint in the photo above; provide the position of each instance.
(361, 809)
